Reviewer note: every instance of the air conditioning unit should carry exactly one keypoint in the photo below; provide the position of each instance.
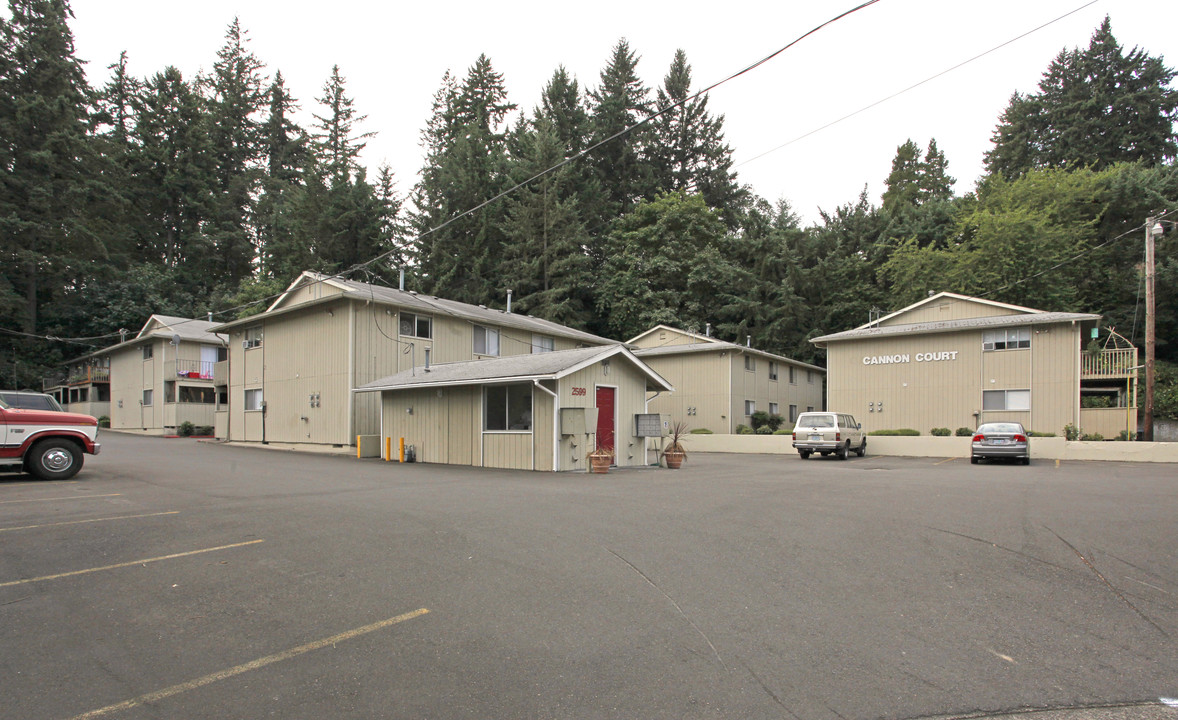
(245, 344)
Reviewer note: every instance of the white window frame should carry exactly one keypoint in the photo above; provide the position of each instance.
(415, 322)
(1006, 339)
(148, 398)
(750, 363)
(793, 375)
(750, 407)
(773, 370)
(148, 351)
(253, 337)
(543, 344)
(774, 408)
(489, 338)
(793, 413)
(1011, 400)
(810, 376)
(507, 407)
(253, 400)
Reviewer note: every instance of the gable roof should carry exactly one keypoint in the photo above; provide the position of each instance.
(709, 344)
(1035, 318)
(513, 368)
(186, 328)
(413, 300)
(952, 296)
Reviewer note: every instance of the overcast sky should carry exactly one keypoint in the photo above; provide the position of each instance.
(394, 55)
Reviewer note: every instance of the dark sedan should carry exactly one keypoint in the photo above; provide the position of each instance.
(1001, 440)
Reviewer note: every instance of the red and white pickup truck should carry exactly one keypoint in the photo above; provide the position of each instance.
(50, 445)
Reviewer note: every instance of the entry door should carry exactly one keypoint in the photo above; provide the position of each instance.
(605, 417)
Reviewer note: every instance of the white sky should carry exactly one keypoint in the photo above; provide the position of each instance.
(394, 54)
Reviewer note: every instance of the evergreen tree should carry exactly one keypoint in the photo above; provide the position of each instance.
(286, 156)
(1095, 107)
(392, 225)
(687, 150)
(620, 102)
(235, 140)
(544, 259)
(562, 105)
(337, 145)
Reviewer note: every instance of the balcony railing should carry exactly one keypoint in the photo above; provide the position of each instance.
(1114, 363)
(77, 376)
(194, 369)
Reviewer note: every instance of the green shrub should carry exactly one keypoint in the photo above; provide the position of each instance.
(939, 432)
(1123, 435)
(764, 430)
(1032, 433)
(783, 431)
(1071, 432)
(906, 432)
(775, 422)
(206, 430)
(759, 419)
(744, 430)
(700, 431)
(185, 429)
(103, 421)
(964, 432)
(1094, 437)
(1097, 401)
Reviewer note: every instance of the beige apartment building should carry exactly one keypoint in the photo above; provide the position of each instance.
(719, 385)
(291, 370)
(525, 412)
(154, 382)
(954, 361)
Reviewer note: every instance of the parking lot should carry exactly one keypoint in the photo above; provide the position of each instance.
(175, 578)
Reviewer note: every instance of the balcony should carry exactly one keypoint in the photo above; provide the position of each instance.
(1111, 363)
(191, 369)
(77, 376)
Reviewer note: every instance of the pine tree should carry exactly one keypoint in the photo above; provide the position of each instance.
(234, 103)
(286, 155)
(337, 145)
(687, 149)
(619, 103)
(1094, 108)
(562, 105)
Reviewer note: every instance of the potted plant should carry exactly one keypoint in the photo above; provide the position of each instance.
(601, 457)
(674, 453)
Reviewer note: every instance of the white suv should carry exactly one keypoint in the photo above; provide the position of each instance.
(829, 432)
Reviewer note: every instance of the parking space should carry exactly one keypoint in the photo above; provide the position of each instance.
(179, 579)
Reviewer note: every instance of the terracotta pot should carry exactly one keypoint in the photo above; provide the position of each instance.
(674, 459)
(600, 463)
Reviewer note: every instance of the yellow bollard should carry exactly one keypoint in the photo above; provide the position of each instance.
(388, 449)
(402, 450)
(357, 447)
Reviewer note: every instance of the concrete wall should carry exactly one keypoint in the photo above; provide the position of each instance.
(1056, 448)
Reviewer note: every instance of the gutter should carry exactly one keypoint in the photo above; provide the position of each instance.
(555, 426)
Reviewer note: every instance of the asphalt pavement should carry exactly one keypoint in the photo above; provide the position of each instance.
(175, 578)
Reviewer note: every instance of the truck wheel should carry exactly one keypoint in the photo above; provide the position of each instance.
(54, 460)
(805, 454)
(862, 448)
(842, 452)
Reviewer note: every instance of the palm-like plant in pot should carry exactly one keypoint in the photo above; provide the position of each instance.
(601, 457)
(674, 453)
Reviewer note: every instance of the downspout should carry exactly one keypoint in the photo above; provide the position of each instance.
(731, 359)
(646, 409)
(555, 428)
(351, 372)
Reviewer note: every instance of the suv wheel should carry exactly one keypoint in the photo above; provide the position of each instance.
(54, 460)
(862, 448)
(842, 452)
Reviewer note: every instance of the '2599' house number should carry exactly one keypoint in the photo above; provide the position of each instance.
(578, 391)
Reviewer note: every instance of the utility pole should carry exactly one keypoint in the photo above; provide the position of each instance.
(1152, 226)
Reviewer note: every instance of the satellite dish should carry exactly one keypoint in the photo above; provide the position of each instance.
(176, 340)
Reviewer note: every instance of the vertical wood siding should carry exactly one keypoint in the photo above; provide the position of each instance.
(949, 309)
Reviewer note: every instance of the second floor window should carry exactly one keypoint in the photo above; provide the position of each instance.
(486, 340)
(414, 325)
(750, 363)
(1006, 339)
(543, 344)
(147, 352)
(253, 338)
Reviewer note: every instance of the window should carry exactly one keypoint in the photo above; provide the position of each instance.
(772, 372)
(486, 340)
(772, 408)
(147, 397)
(750, 363)
(793, 375)
(750, 407)
(793, 413)
(1006, 399)
(169, 391)
(415, 325)
(253, 337)
(507, 407)
(199, 395)
(543, 344)
(253, 399)
(148, 351)
(809, 408)
(810, 376)
(1006, 339)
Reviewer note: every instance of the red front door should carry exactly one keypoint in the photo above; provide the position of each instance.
(605, 418)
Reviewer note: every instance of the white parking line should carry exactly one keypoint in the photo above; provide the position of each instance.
(80, 522)
(71, 497)
(126, 564)
(246, 667)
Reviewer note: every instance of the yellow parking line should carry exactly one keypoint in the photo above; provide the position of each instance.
(126, 564)
(246, 667)
(80, 522)
(945, 461)
(1057, 462)
(72, 497)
